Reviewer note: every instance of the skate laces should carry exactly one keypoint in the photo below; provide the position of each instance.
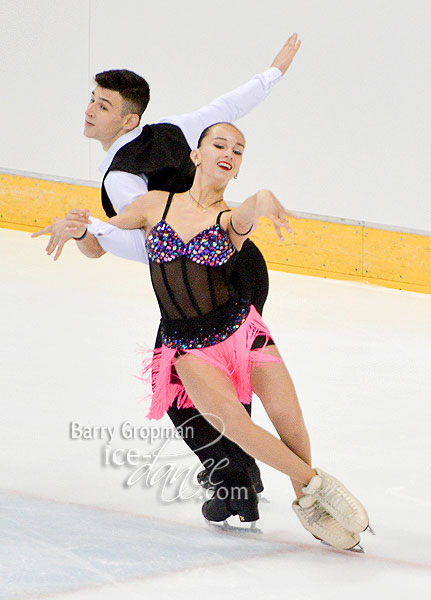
(336, 495)
(315, 513)
(321, 524)
(333, 495)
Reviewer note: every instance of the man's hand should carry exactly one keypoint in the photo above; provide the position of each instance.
(77, 221)
(73, 225)
(59, 236)
(286, 55)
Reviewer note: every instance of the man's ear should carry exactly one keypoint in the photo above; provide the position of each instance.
(131, 121)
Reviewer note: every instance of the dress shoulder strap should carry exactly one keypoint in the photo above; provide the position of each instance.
(220, 214)
(168, 205)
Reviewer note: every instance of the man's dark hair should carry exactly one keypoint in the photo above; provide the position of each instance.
(133, 88)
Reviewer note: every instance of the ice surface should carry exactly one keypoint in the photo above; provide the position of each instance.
(71, 527)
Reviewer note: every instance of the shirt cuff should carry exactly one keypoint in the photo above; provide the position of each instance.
(270, 77)
(95, 226)
(99, 228)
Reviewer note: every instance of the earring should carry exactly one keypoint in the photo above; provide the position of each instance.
(197, 165)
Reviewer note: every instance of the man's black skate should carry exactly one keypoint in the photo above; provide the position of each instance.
(220, 507)
(204, 479)
(206, 476)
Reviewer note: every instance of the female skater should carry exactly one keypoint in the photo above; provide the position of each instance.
(221, 349)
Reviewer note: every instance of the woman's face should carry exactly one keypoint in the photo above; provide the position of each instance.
(220, 153)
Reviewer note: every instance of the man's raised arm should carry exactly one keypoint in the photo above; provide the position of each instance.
(238, 102)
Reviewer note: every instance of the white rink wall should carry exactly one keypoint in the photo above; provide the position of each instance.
(346, 134)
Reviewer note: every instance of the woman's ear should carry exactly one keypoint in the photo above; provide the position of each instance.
(195, 157)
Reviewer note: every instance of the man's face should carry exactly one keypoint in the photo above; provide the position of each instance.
(104, 119)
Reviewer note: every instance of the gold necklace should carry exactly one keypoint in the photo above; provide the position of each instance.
(204, 208)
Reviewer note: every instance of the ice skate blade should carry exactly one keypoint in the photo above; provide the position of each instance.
(225, 526)
(263, 499)
(358, 549)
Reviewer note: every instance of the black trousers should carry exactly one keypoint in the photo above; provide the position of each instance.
(250, 280)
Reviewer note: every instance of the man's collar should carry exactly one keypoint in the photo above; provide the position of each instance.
(124, 139)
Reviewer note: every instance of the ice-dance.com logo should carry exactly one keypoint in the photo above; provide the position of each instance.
(159, 467)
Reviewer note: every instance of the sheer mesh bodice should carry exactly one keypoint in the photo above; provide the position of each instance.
(187, 289)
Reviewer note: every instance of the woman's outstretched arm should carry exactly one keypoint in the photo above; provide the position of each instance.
(135, 215)
(244, 219)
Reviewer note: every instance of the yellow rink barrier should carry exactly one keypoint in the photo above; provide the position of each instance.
(322, 248)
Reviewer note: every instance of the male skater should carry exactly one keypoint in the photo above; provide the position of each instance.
(156, 156)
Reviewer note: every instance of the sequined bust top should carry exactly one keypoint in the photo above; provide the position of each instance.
(191, 281)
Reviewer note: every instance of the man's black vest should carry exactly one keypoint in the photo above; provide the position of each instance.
(162, 154)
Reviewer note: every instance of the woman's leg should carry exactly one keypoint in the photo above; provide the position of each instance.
(328, 510)
(214, 395)
(274, 386)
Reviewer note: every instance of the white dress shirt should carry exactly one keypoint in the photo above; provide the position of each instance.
(123, 188)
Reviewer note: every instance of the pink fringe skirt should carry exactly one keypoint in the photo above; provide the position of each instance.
(234, 356)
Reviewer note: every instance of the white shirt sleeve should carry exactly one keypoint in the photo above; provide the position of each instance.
(229, 107)
(122, 189)
(125, 243)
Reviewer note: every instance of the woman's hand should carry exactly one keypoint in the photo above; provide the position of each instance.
(268, 206)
